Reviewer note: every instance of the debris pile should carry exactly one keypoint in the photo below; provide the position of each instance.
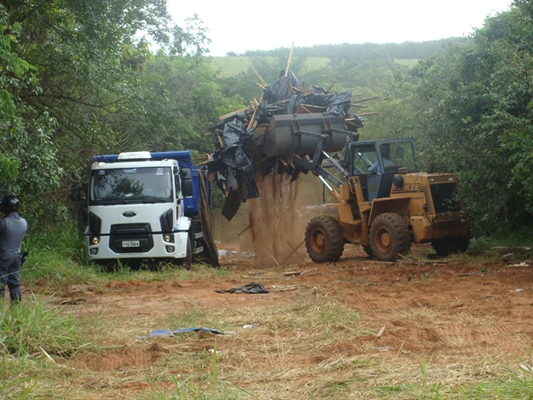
(283, 126)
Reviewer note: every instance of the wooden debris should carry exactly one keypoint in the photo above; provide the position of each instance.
(232, 114)
(289, 60)
(380, 333)
(263, 82)
(244, 230)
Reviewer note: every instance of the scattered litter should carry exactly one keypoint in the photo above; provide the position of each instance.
(245, 254)
(285, 288)
(522, 264)
(302, 273)
(291, 273)
(222, 253)
(380, 333)
(169, 333)
(518, 290)
(71, 301)
(251, 288)
(248, 326)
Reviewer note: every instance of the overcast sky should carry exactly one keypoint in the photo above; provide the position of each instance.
(241, 25)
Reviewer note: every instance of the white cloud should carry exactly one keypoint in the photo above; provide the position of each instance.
(240, 25)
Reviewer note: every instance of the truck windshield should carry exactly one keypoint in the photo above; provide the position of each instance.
(130, 185)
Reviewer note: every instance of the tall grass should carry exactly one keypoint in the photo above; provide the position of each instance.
(34, 328)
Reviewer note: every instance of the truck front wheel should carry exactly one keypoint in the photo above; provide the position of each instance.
(389, 237)
(324, 239)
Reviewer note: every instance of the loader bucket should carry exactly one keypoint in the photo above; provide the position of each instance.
(301, 134)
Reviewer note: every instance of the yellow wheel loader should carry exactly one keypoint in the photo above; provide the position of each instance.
(382, 202)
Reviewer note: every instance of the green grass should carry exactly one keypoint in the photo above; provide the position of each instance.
(231, 66)
(39, 342)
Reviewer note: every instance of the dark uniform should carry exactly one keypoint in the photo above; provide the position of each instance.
(13, 228)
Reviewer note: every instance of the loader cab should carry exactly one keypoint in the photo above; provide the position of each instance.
(376, 162)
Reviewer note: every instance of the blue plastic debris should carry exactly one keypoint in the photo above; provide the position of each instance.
(169, 333)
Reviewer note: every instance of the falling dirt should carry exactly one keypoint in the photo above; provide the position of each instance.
(270, 235)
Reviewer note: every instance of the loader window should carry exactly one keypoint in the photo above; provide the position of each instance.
(400, 155)
(130, 186)
(363, 158)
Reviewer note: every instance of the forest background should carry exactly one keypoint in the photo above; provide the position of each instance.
(86, 77)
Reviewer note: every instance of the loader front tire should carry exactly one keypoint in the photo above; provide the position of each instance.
(324, 239)
(389, 237)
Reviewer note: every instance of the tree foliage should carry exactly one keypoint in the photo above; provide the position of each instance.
(71, 75)
(179, 99)
(475, 105)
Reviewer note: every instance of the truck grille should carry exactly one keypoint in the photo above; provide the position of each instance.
(123, 236)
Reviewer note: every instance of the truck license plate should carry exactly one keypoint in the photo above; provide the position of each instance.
(131, 243)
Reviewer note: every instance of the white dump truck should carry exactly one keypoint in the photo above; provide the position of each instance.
(148, 206)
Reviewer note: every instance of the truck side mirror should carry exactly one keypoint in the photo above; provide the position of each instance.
(186, 182)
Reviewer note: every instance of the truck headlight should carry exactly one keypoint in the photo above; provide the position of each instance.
(95, 240)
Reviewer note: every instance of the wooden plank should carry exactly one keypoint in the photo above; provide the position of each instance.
(289, 60)
(370, 98)
(253, 121)
(244, 230)
(368, 113)
(232, 114)
(259, 76)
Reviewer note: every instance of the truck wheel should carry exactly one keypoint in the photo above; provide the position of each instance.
(187, 261)
(389, 237)
(324, 239)
(450, 245)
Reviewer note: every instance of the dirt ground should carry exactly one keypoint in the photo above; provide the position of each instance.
(441, 311)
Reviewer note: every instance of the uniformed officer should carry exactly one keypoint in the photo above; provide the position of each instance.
(13, 228)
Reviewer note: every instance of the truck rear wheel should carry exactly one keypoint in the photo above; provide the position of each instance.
(450, 245)
(324, 239)
(389, 237)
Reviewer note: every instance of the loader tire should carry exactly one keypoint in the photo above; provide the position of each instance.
(324, 239)
(389, 237)
(450, 245)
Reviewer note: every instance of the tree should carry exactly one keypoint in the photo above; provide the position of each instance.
(475, 105)
(180, 100)
(84, 60)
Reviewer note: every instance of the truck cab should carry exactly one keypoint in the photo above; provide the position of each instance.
(142, 206)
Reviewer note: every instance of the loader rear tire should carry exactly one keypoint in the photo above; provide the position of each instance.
(389, 237)
(324, 239)
(450, 245)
